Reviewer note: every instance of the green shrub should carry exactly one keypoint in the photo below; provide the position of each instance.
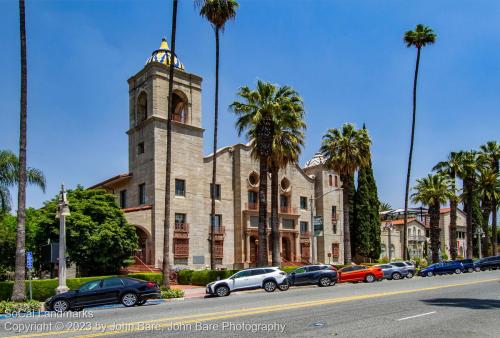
(444, 256)
(203, 277)
(171, 293)
(289, 269)
(383, 260)
(148, 276)
(184, 276)
(16, 307)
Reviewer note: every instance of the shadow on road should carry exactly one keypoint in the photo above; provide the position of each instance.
(469, 303)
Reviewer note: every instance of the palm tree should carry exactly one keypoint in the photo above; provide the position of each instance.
(217, 12)
(467, 172)
(168, 170)
(384, 207)
(488, 185)
(287, 145)
(18, 291)
(258, 116)
(433, 191)
(420, 37)
(9, 175)
(491, 150)
(449, 168)
(346, 151)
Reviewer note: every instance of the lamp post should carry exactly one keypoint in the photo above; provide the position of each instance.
(312, 199)
(479, 234)
(62, 212)
(389, 226)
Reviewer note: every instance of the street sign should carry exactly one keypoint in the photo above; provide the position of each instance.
(29, 260)
(318, 225)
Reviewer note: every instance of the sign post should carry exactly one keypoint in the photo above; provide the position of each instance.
(29, 266)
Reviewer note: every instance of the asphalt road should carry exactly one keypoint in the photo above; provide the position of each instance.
(466, 305)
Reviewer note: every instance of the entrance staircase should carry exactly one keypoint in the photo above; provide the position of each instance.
(139, 266)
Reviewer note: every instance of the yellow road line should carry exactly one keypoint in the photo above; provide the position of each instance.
(196, 318)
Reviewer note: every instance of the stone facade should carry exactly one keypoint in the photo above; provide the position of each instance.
(141, 192)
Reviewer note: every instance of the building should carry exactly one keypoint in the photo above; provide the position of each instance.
(141, 191)
(419, 232)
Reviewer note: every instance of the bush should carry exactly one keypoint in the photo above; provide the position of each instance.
(148, 276)
(171, 293)
(444, 256)
(203, 277)
(184, 276)
(383, 260)
(16, 307)
(289, 269)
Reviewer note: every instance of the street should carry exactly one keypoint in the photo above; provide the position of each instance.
(465, 305)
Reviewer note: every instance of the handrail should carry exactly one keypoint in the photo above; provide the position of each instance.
(140, 261)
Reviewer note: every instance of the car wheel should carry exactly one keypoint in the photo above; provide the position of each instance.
(430, 274)
(129, 299)
(60, 305)
(142, 302)
(458, 271)
(325, 281)
(284, 286)
(369, 278)
(222, 291)
(396, 276)
(270, 286)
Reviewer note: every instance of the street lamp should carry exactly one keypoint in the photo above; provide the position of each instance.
(479, 233)
(313, 239)
(389, 227)
(62, 212)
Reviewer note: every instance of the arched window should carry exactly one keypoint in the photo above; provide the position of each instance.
(142, 107)
(330, 180)
(180, 108)
(336, 181)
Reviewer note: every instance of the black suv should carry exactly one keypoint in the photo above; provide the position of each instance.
(488, 263)
(322, 275)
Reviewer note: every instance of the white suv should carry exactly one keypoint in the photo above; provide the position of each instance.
(267, 278)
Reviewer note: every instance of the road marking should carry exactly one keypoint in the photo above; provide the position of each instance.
(420, 315)
(169, 322)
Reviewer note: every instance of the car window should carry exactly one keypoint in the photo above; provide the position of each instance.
(130, 281)
(269, 270)
(257, 272)
(300, 270)
(96, 284)
(313, 268)
(347, 269)
(358, 267)
(241, 274)
(386, 266)
(400, 264)
(111, 282)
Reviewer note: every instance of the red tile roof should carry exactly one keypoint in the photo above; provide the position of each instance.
(142, 207)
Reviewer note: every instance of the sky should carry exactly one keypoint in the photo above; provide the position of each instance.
(346, 59)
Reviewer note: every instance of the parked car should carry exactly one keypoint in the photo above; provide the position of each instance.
(323, 275)
(468, 264)
(412, 269)
(442, 268)
(488, 263)
(128, 291)
(267, 278)
(393, 272)
(360, 273)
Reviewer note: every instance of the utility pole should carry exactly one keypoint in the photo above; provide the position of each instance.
(62, 212)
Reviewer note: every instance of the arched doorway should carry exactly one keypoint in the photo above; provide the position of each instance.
(253, 250)
(141, 253)
(286, 252)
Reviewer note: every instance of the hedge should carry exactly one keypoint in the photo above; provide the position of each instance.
(44, 288)
(184, 276)
(171, 293)
(18, 307)
(203, 277)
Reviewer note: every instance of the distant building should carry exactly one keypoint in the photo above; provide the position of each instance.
(141, 191)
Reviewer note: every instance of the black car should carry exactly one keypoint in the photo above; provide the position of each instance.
(323, 275)
(468, 264)
(488, 263)
(128, 291)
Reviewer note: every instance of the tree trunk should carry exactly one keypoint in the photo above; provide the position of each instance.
(347, 231)
(214, 158)
(262, 249)
(494, 235)
(468, 207)
(166, 220)
(453, 220)
(275, 231)
(408, 174)
(486, 210)
(18, 291)
(435, 242)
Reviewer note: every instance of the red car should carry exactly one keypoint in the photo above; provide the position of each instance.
(360, 273)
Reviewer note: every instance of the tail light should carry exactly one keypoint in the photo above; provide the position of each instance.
(151, 285)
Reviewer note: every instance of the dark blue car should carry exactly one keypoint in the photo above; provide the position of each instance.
(468, 264)
(442, 268)
(321, 274)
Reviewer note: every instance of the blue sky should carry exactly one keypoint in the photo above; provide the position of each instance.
(346, 59)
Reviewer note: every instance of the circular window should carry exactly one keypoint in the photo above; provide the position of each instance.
(253, 178)
(285, 184)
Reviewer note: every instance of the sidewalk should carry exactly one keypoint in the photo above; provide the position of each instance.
(191, 291)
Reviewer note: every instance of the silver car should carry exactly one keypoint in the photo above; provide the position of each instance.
(393, 272)
(412, 269)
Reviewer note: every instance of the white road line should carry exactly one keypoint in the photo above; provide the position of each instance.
(420, 315)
